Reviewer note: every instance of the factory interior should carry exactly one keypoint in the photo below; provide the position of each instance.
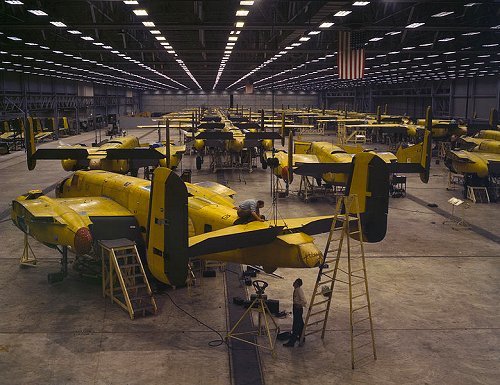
(249, 192)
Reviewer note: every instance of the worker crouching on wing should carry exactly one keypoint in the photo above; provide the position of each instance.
(248, 211)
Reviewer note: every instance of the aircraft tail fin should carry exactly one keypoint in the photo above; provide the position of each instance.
(369, 180)
(29, 142)
(167, 242)
(418, 155)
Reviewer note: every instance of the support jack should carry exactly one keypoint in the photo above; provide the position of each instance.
(28, 258)
(263, 326)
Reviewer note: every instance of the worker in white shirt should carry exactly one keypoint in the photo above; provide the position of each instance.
(299, 302)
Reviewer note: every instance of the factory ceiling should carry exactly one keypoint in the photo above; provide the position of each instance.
(224, 45)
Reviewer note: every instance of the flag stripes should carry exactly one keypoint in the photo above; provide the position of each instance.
(351, 57)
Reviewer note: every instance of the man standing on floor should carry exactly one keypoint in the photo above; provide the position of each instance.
(299, 302)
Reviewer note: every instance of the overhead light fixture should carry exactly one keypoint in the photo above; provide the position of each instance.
(314, 32)
(59, 24)
(447, 39)
(360, 3)
(140, 12)
(425, 45)
(98, 43)
(37, 12)
(449, 53)
(13, 38)
(240, 24)
(148, 24)
(304, 38)
(232, 38)
(471, 4)
(88, 38)
(155, 31)
(393, 33)
(414, 25)
(28, 43)
(242, 12)
(442, 14)
(376, 38)
(160, 38)
(74, 32)
(342, 13)
(325, 25)
(246, 2)
(131, 2)
(471, 33)
(14, 2)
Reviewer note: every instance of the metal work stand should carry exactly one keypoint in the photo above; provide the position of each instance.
(259, 305)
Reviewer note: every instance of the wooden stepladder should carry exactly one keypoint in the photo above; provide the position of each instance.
(124, 279)
(344, 262)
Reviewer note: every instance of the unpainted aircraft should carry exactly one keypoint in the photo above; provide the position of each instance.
(171, 220)
(120, 155)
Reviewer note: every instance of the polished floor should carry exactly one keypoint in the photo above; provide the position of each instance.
(434, 290)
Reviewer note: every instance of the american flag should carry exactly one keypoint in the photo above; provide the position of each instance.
(351, 55)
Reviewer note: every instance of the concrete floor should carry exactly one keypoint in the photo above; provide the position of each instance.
(434, 292)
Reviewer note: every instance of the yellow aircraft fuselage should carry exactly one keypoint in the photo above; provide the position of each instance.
(207, 212)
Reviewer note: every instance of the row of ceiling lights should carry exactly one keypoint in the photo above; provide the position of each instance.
(163, 41)
(233, 38)
(392, 33)
(59, 24)
(323, 26)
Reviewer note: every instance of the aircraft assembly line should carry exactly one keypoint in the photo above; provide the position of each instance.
(249, 192)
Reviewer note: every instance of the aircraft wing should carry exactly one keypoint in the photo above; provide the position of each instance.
(233, 237)
(305, 158)
(133, 153)
(217, 188)
(65, 221)
(460, 156)
(61, 153)
(215, 135)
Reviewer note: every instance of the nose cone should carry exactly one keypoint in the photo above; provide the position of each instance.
(83, 241)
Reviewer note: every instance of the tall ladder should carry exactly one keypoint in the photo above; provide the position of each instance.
(124, 279)
(346, 267)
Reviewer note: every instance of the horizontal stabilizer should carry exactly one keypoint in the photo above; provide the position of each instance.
(61, 153)
(262, 135)
(318, 169)
(309, 226)
(215, 135)
(233, 237)
(216, 188)
(133, 153)
(211, 125)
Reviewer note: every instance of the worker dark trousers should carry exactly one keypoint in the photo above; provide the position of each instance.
(298, 322)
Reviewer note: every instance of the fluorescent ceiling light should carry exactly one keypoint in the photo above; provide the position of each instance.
(13, 38)
(131, 2)
(59, 24)
(107, 47)
(360, 3)
(342, 13)
(148, 23)
(325, 25)
(496, 27)
(471, 4)
(37, 12)
(490, 45)
(442, 14)
(408, 48)
(233, 38)
(304, 38)
(471, 33)
(242, 12)
(140, 12)
(314, 32)
(14, 2)
(28, 43)
(155, 31)
(97, 43)
(160, 38)
(246, 2)
(240, 24)
(74, 32)
(414, 25)
(449, 53)
(87, 38)
(376, 38)
(393, 33)
(447, 39)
